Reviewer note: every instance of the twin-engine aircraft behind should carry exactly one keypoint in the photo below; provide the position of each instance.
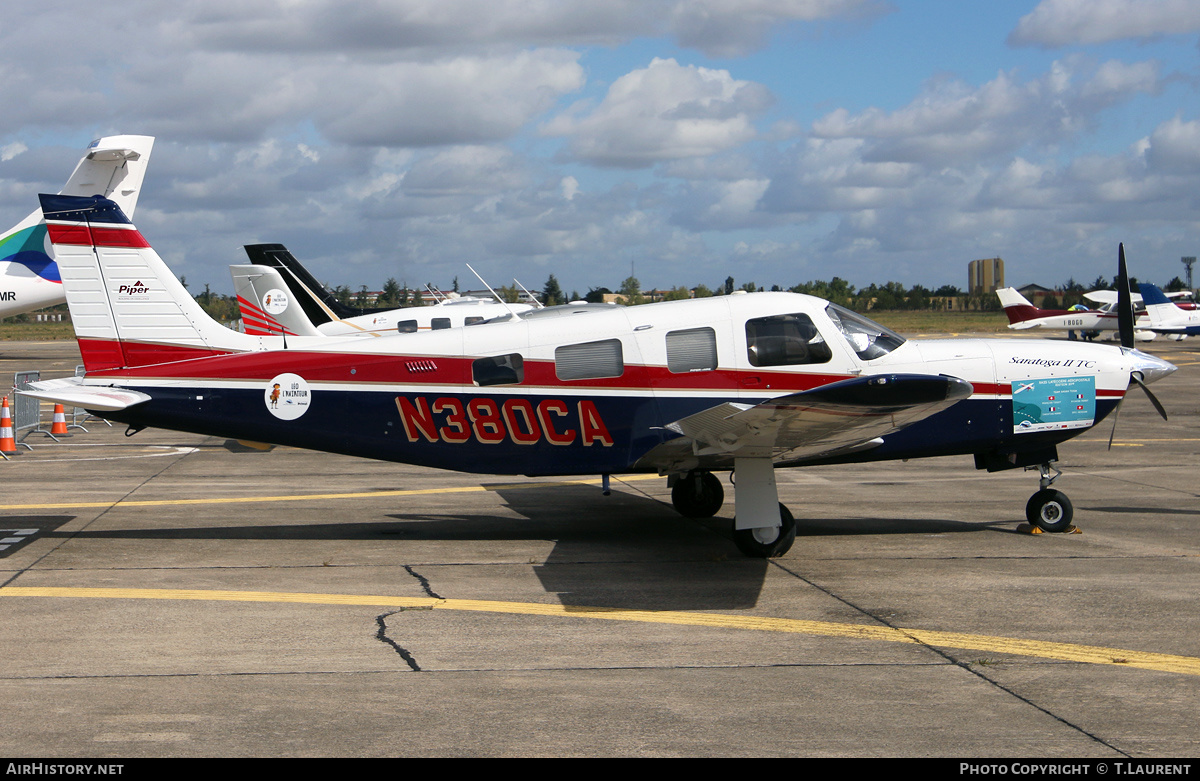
(113, 166)
(745, 383)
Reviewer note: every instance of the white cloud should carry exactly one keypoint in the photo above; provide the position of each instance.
(1174, 147)
(1067, 22)
(719, 28)
(9, 151)
(724, 28)
(665, 111)
(953, 122)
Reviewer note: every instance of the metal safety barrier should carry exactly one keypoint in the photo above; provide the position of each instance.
(26, 410)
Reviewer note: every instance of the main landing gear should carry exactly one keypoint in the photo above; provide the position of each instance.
(1049, 510)
(698, 495)
(763, 528)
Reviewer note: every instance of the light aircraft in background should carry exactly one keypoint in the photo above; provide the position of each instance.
(271, 303)
(319, 311)
(686, 388)
(1022, 315)
(113, 166)
(1166, 317)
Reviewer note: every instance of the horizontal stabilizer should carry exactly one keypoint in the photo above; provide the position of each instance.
(71, 392)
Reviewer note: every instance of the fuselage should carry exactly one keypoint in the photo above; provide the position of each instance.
(587, 389)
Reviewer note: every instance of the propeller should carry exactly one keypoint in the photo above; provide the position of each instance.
(1124, 301)
(1125, 329)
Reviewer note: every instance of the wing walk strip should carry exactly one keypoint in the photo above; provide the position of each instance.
(1067, 652)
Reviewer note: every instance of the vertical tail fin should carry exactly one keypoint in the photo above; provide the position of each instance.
(128, 308)
(1016, 306)
(1159, 308)
(114, 167)
(319, 304)
(266, 305)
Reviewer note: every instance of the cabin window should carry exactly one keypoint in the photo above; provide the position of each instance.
(500, 370)
(589, 361)
(473, 320)
(785, 340)
(440, 323)
(693, 350)
(407, 326)
(868, 339)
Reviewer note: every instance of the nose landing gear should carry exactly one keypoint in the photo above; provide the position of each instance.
(1049, 510)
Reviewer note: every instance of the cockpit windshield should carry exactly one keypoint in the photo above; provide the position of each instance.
(868, 339)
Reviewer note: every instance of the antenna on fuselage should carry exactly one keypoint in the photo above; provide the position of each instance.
(502, 302)
(532, 298)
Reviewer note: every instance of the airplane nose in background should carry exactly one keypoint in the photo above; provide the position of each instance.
(1151, 367)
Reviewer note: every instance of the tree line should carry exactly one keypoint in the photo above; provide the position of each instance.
(890, 296)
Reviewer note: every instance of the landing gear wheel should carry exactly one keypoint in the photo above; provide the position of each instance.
(698, 495)
(1050, 510)
(778, 540)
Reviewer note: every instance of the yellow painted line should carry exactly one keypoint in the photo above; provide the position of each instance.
(312, 497)
(1067, 652)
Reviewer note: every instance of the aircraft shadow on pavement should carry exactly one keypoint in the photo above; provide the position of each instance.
(17, 531)
(633, 552)
(845, 527)
(1145, 510)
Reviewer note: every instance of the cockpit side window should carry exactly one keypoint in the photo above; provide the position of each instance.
(868, 339)
(785, 340)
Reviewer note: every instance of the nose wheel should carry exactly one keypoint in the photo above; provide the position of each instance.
(1049, 509)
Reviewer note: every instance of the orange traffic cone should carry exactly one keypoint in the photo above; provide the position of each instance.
(59, 427)
(8, 444)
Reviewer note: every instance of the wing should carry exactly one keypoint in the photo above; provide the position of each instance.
(71, 392)
(840, 417)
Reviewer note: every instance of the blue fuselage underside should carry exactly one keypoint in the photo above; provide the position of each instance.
(369, 424)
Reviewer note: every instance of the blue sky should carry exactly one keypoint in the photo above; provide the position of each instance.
(777, 142)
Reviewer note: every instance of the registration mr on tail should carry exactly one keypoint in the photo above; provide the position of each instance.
(742, 383)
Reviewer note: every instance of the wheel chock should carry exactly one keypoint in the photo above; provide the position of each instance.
(1029, 528)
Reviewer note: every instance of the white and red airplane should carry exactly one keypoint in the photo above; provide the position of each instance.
(746, 383)
(113, 166)
(272, 303)
(1022, 314)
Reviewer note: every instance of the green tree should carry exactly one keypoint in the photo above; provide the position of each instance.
(631, 292)
(552, 294)
(390, 296)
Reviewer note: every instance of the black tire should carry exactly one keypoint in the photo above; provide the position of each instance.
(750, 544)
(698, 495)
(1050, 510)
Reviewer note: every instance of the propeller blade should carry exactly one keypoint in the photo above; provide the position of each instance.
(1153, 398)
(1116, 413)
(1124, 301)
